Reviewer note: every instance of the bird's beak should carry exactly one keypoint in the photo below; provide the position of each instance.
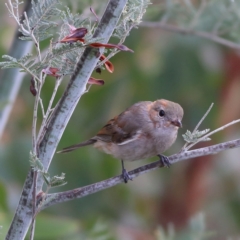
(177, 123)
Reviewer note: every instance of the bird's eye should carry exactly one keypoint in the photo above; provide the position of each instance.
(161, 113)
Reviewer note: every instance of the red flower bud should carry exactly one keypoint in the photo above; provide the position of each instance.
(108, 65)
(32, 88)
(111, 45)
(95, 81)
(51, 71)
(77, 34)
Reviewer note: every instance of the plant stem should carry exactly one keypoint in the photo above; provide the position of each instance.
(60, 117)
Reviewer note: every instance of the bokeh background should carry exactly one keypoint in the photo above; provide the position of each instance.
(193, 199)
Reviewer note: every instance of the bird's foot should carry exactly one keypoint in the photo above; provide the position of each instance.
(125, 174)
(165, 160)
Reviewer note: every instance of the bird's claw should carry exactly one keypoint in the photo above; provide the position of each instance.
(165, 160)
(125, 175)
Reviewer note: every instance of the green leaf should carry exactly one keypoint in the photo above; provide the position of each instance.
(39, 21)
(35, 163)
(194, 137)
(46, 177)
(131, 17)
(58, 181)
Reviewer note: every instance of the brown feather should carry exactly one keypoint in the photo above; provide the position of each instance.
(119, 130)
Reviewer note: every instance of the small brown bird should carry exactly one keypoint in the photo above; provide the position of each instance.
(144, 130)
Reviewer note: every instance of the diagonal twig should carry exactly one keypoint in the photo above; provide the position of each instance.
(211, 133)
(56, 198)
(206, 35)
(199, 123)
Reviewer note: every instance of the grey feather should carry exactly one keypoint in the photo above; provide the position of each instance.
(74, 147)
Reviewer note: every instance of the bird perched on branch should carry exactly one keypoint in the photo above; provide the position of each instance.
(144, 130)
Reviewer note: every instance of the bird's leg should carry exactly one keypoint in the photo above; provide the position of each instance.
(165, 160)
(125, 174)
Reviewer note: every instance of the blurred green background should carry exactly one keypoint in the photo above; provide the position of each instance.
(189, 70)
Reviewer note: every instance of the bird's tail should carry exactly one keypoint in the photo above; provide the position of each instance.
(74, 147)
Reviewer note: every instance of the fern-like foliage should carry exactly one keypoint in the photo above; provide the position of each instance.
(16, 63)
(220, 17)
(76, 20)
(131, 17)
(64, 56)
(26, 64)
(195, 136)
(55, 181)
(40, 21)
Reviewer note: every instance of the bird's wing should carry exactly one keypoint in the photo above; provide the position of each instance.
(122, 129)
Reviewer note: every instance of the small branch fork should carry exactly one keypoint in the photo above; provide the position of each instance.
(55, 198)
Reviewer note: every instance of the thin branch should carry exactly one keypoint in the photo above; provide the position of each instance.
(199, 123)
(115, 50)
(49, 109)
(206, 35)
(34, 123)
(33, 37)
(32, 228)
(15, 14)
(38, 100)
(57, 84)
(42, 107)
(211, 133)
(27, 70)
(35, 111)
(202, 119)
(56, 198)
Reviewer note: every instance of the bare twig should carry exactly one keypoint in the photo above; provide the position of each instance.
(57, 84)
(32, 228)
(42, 107)
(199, 123)
(38, 101)
(211, 133)
(115, 50)
(14, 13)
(49, 109)
(33, 37)
(202, 119)
(206, 35)
(34, 124)
(55, 198)
(95, 15)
